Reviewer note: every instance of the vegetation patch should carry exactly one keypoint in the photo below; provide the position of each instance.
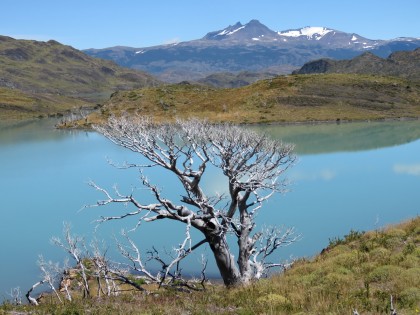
(324, 284)
(294, 98)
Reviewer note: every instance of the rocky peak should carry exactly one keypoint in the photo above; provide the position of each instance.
(252, 31)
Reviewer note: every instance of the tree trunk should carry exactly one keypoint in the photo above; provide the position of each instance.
(224, 260)
(245, 246)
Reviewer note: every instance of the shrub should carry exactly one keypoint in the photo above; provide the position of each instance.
(410, 297)
(410, 277)
(348, 260)
(384, 273)
(273, 299)
(381, 255)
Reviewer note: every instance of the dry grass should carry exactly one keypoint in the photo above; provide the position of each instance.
(18, 105)
(297, 98)
(358, 271)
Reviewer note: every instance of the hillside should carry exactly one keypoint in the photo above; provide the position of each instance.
(360, 271)
(404, 64)
(249, 47)
(20, 105)
(296, 98)
(232, 80)
(53, 77)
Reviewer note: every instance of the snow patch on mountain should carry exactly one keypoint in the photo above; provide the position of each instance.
(311, 32)
(354, 38)
(227, 32)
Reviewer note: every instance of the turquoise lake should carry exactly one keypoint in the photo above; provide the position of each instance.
(358, 176)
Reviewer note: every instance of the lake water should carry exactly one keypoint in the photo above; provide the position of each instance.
(357, 176)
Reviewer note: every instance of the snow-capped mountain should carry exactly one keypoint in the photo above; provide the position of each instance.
(252, 31)
(310, 32)
(249, 47)
(329, 37)
(255, 32)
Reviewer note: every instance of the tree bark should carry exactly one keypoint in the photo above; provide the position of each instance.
(224, 260)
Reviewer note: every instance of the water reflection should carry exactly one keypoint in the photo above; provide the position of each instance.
(357, 136)
(12, 133)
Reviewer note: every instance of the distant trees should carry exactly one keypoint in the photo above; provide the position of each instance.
(252, 165)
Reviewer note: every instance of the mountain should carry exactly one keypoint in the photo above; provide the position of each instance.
(249, 47)
(39, 78)
(254, 31)
(404, 64)
(51, 67)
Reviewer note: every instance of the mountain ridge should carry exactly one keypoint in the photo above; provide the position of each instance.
(248, 47)
(48, 66)
(43, 78)
(404, 64)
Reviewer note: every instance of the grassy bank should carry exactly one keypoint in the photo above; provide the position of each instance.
(16, 105)
(360, 271)
(285, 99)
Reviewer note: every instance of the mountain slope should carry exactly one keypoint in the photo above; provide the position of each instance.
(50, 70)
(402, 64)
(248, 47)
(231, 80)
(55, 68)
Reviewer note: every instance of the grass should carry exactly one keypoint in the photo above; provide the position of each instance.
(16, 105)
(295, 98)
(359, 271)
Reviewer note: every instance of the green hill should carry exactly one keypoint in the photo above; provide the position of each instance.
(404, 64)
(48, 77)
(295, 98)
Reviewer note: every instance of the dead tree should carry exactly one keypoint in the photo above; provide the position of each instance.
(51, 272)
(252, 165)
(16, 296)
(393, 310)
(75, 247)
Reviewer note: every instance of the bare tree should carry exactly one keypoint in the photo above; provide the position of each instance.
(16, 296)
(393, 310)
(76, 248)
(168, 276)
(252, 165)
(51, 273)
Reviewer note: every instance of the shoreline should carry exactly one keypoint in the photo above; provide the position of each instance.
(5, 123)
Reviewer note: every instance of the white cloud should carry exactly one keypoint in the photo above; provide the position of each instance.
(407, 169)
(172, 41)
(325, 174)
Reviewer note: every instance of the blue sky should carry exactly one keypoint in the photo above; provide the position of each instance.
(104, 23)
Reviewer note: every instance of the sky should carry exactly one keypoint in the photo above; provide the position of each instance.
(87, 24)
